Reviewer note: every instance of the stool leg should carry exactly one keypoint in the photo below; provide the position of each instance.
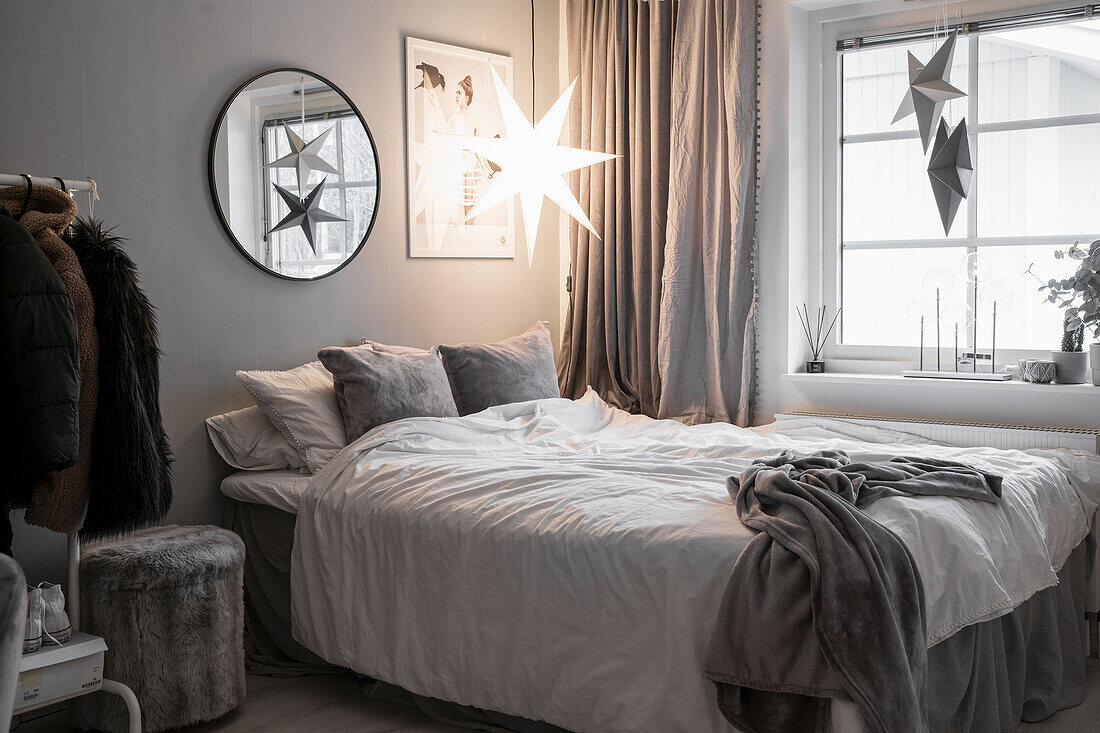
(128, 697)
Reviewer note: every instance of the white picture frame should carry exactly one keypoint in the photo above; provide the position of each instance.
(449, 93)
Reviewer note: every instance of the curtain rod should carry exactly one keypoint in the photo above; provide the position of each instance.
(1083, 12)
(14, 179)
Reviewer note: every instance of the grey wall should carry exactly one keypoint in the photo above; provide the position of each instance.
(127, 91)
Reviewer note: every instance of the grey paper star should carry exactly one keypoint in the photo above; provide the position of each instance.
(303, 157)
(929, 89)
(305, 213)
(950, 170)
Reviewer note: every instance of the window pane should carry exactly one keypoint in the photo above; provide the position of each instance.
(1039, 182)
(876, 79)
(879, 285)
(1045, 71)
(887, 194)
(358, 154)
(1028, 321)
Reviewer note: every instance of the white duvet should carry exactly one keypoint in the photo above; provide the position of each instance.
(564, 561)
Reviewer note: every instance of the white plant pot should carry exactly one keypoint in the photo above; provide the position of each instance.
(1094, 357)
(1071, 367)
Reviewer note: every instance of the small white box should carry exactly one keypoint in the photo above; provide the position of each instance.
(56, 673)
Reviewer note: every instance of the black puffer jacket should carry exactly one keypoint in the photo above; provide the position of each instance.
(39, 366)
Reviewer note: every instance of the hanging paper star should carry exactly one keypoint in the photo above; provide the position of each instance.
(950, 170)
(929, 89)
(532, 162)
(305, 213)
(304, 157)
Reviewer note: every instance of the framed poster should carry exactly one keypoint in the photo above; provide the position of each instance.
(449, 95)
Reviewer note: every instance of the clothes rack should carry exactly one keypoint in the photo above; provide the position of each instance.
(80, 646)
(15, 179)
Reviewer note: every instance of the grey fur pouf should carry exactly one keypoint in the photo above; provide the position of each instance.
(169, 602)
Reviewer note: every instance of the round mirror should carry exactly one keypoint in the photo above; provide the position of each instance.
(294, 174)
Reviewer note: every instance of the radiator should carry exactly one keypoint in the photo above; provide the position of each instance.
(1008, 437)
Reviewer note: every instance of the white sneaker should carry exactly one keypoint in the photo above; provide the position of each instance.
(56, 628)
(32, 637)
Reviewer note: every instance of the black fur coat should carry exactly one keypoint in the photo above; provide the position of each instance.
(131, 483)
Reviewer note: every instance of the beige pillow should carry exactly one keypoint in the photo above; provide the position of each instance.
(247, 440)
(301, 404)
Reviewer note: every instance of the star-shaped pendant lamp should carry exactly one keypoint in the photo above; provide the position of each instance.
(950, 170)
(305, 213)
(532, 162)
(929, 89)
(304, 157)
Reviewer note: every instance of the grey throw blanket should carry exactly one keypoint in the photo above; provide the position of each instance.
(779, 654)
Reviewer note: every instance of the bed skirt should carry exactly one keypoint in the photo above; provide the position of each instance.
(1024, 666)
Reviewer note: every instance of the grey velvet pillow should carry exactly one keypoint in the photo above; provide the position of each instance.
(393, 349)
(516, 369)
(374, 388)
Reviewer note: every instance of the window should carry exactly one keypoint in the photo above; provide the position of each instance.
(348, 194)
(1033, 117)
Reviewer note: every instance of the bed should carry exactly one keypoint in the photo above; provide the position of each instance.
(561, 561)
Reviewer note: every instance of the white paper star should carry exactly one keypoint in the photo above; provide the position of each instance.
(303, 157)
(305, 213)
(928, 90)
(532, 162)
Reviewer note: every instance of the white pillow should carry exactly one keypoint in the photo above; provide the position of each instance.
(301, 404)
(246, 439)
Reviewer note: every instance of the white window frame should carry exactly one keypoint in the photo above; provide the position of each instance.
(832, 182)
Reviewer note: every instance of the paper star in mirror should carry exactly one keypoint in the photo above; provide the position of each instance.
(950, 170)
(305, 213)
(929, 89)
(532, 162)
(304, 157)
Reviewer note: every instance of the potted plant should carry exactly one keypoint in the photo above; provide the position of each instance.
(1070, 364)
(1080, 297)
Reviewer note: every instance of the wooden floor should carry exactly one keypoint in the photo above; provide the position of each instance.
(327, 704)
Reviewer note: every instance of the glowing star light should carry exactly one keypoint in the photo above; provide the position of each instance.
(304, 157)
(532, 163)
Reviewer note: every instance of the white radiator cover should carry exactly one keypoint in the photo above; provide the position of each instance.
(970, 435)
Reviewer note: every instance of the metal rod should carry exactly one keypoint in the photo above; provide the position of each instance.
(73, 591)
(14, 179)
(956, 347)
(993, 352)
(990, 25)
(922, 343)
(975, 354)
(938, 367)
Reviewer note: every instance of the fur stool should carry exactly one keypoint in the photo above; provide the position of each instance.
(169, 603)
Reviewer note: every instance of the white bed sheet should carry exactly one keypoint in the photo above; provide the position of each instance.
(281, 489)
(564, 561)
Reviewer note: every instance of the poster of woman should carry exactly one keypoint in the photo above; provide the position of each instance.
(450, 96)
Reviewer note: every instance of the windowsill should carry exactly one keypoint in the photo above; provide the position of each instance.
(896, 380)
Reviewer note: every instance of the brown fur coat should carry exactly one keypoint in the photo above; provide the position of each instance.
(59, 500)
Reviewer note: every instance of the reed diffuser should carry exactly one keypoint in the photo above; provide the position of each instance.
(816, 334)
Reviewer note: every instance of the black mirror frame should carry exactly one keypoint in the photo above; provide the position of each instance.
(214, 189)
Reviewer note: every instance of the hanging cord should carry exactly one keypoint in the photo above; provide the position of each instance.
(93, 196)
(532, 61)
(27, 198)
